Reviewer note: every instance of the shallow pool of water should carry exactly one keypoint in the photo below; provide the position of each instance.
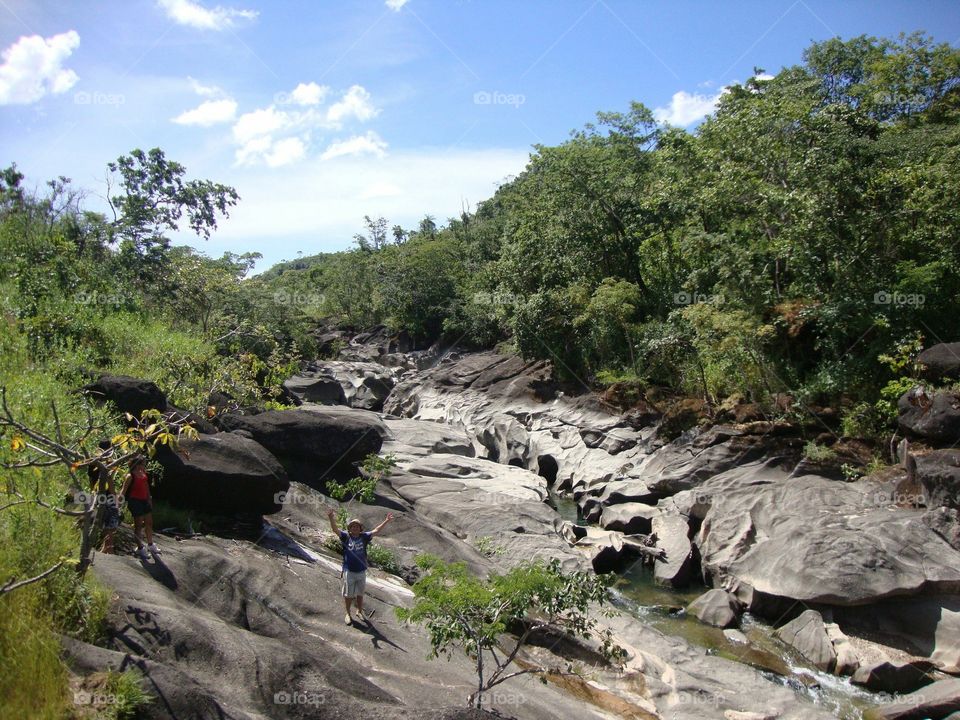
(662, 608)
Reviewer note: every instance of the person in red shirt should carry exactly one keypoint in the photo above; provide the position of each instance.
(136, 490)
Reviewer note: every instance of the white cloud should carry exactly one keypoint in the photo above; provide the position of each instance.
(354, 103)
(212, 112)
(395, 5)
(281, 135)
(367, 144)
(284, 152)
(205, 90)
(402, 187)
(309, 94)
(764, 76)
(33, 67)
(686, 109)
(195, 15)
(258, 123)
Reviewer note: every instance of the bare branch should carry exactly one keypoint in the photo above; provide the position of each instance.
(12, 585)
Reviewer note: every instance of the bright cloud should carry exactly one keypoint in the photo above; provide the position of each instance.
(309, 94)
(33, 67)
(368, 144)
(258, 123)
(282, 135)
(686, 109)
(195, 15)
(402, 186)
(212, 112)
(205, 90)
(284, 152)
(354, 103)
(395, 5)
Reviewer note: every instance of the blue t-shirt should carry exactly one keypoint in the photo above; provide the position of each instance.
(355, 551)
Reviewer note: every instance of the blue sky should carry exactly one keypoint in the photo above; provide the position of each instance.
(322, 111)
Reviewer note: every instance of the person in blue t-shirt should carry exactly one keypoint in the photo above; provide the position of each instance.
(354, 542)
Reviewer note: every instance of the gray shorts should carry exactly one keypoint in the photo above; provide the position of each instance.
(354, 583)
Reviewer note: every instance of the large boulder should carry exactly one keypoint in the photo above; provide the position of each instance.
(939, 474)
(680, 557)
(130, 395)
(629, 518)
(223, 473)
(894, 677)
(941, 362)
(807, 634)
(770, 535)
(313, 442)
(357, 384)
(716, 607)
(932, 417)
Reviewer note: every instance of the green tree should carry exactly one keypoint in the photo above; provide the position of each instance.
(465, 613)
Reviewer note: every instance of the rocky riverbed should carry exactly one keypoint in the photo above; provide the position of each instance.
(757, 584)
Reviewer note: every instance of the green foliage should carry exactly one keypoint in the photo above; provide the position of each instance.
(126, 694)
(465, 613)
(362, 487)
(486, 546)
(818, 453)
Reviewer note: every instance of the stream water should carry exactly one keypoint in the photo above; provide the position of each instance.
(662, 608)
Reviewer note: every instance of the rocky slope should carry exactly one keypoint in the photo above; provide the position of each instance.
(225, 627)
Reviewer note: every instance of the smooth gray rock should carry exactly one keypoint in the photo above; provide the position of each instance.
(313, 442)
(808, 635)
(629, 518)
(224, 474)
(680, 559)
(362, 385)
(939, 474)
(932, 417)
(941, 362)
(894, 677)
(817, 540)
(716, 607)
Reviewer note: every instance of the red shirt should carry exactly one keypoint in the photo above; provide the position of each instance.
(139, 485)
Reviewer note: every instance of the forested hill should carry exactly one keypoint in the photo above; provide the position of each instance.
(803, 238)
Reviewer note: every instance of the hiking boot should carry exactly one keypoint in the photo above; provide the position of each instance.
(347, 620)
(154, 550)
(141, 552)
